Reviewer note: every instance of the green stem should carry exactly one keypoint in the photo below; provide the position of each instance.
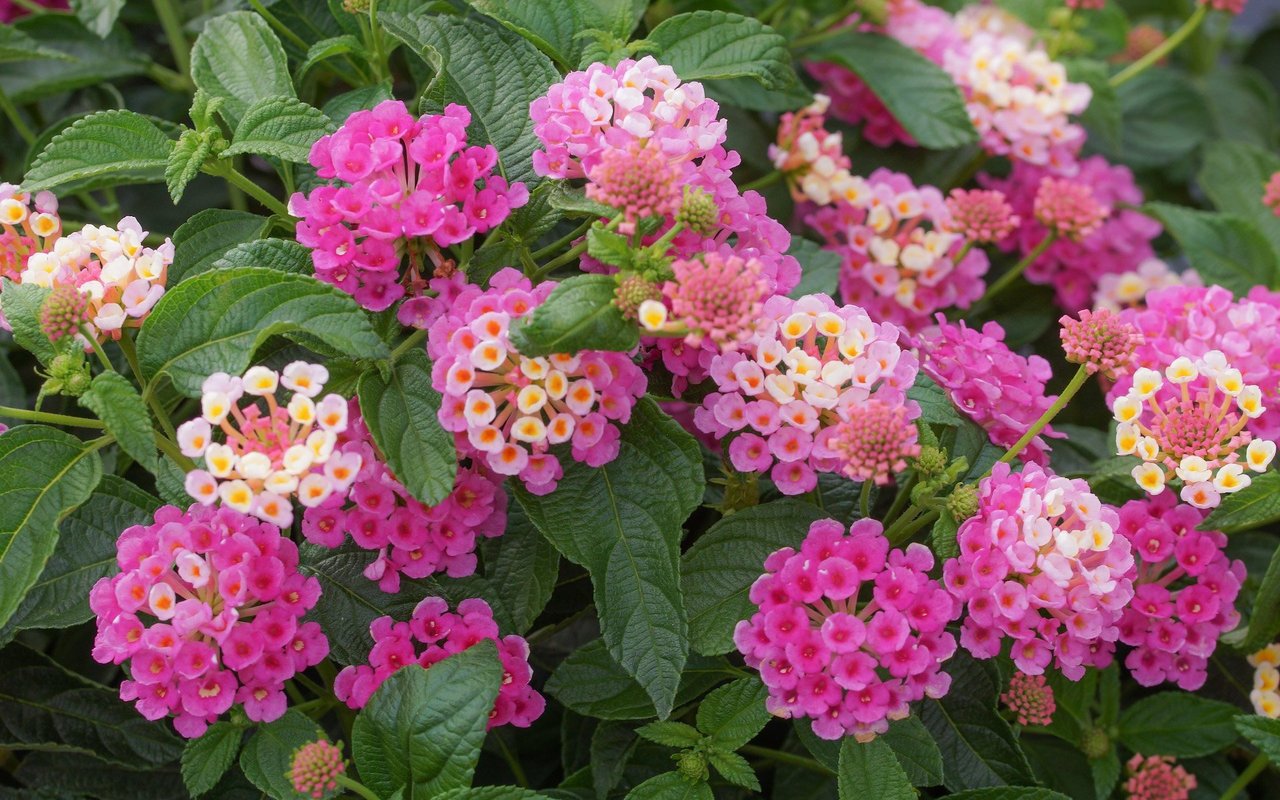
(356, 787)
(768, 179)
(97, 348)
(171, 22)
(902, 522)
(864, 499)
(408, 344)
(900, 500)
(52, 419)
(11, 111)
(904, 534)
(131, 356)
(241, 182)
(783, 757)
(517, 770)
(1165, 48)
(169, 79)
(1007, 279)
(281, 28)
(171, 450)
(576, 233)
(574, 252)
(1252, 771)
(1077, 381)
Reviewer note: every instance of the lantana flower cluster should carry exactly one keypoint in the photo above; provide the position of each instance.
(1118, 291)
(432, 634)
(713, 298)
(1041, 565)
(1157, 778)
(1192, 427)
(206, 610)
(899, 258)
(407, 186)
(811, 157)
(1030, 699)
(28, 224)
(994, 386)
(508, 410)
(270, 452)
(407, 538)
(792, 395)
(848, 666)
(1184, 589)
(1265, 695)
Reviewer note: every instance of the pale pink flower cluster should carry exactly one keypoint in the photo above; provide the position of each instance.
(1040, 565)
(713, 298)
(783, 395)
(402, 180)
(1157, 778)
(1184, 592)
(1030, 699)
(811, 157)
(849, 667)
(994, 386)
(28, 224)
(445, 633)
(1190, 423)
(899, 258)
(981, 215)
(1229, 6)
(508, 410)
(407, 538)
(269, 452)
(314, 769)
(1100, 341)
(1129, 289)
(1265, 695)
(207, 610)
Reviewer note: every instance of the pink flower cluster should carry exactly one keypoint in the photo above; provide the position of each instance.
(1074, 268)
(1271, 194)
(1040, 565)
(1184, 590)
(1030, 698)
(1129, 289)
(1157, 778)
(403, 180)
(811, 157)
(444, 633)
(899, 259)
(994, 386)
(714, 298)
(639, 181)
(981, 215)
(314, 769)
(1099, 341)
(27, 225)
(207, 610)
(849, 669)
(10, 11)
(809, 367)
(407, 537)
(507, 409)
(1229, 6)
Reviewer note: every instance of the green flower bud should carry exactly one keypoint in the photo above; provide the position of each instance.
(698, 211)
(963, 502)
(1095, 743)
(632, 291)
(692, 765)
(931, 461)
(78, 384)
(64, 365)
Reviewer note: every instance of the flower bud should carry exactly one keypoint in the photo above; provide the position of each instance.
(692, 765)
(63, 312)
(931, 461)
(1095, 743)
(963, 502)
(698, 211)
(632, 291)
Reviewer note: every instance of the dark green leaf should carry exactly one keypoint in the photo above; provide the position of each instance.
(1105, 772)
(734, 769)
(733, 714)
(1264, 623)
(281, 254)
(519, 575)
(1178, 724)
(1242, 105)
(556, 28)
(1262, 732)
(237, 57)
(108, 148)
(1254, 507)
(1234, 175)
(71, 776)
(112, 398)
(1226, 250)
(185, 160)
(591, 683)
(21, 303)
(281, 127)
(17, 46)
(98, 16)
(1165, 118)
(671, 786)
(702, 45)
(579, 314)
(208, 236)
(88, 59)
(608, 247)
(870, 770)
(1103, 116)
(916, 750)
(671, 734)
(1009, 793)
(612, 745)
(267, 753)
(820, 268)
(206, 760)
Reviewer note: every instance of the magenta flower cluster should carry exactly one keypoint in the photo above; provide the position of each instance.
(206, 610)
(810, 366)
(402, 180)
(848, 667)
(507, 410)
(1185, 590)
(445, 633)
(407, 538)
(1041, 566)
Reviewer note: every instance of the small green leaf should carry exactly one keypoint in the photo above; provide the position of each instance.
(199, 242)
(671, 786)
(1009, 793)
(21, 303)
(609, 247)
(820, 268)
(579, 314)
(326, 49)
(281, 127)
(239, 58)
(422, 729)
(285, 255)
(575, 202)
(734, 769)
(671, 734)
(112, 398)
(206, 759)
(108, 148)
(401, 415)
(185, 160)
(591, 683)
(733, 714)
(267, 753)
(702, 45)
(98, 16)
(1178, 724)
(1254, 507)
(1227, 250)
(17, 46)
(870, 769)
(1262, 732)
(557, 28)
(612, 746)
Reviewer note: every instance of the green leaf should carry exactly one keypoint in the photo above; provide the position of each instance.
(108, 148)
(1009, 793)
(206, 760)
(284, 255)
(914, 89)
(216, 321)
(718, 570)
(1234, 176)
(45, 474)
(44, 706)
(520, 571)
(671, 734)
(820, 268)
(423, 728)
(871, 770)
(1178, 724)
(734, 769)
(733, 714)
(208, 236)
(98, 16)
(88, 60)
(326, 49)
(591, 683)
(17, 46)
(281, 127)
(575, 202)
(671, 786)
(609, 247)
(1254, 507)
(492, 793)
(1103, 116)
(185, 160)
(1105, 773)
(1226, 250)
(401, 415)
(578, 314)
(556, 28)
(267, 753)
(1165, 119)
(630, 543)
(916, 750)
(494, 72)
(1264, 622)
(702, 45)
(86, 551)
(70, 775)
(1262, 732)
(237, 57)
(978, 748)
(21, 303)
(935, 403)
(1242, 105)
(112, 398)
(612, 746)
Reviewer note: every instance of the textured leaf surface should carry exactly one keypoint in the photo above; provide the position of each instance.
(671, 786)
(1178, 724)
(1226, 250)
(202, 240)
(206, 760)
(114, 400)
(284, 255)
(579, 314)
(702, 45)
(107, 148)
(591, 683)
(185, 160)
(267, 753)
(21, 303)
(239, 58)
(282, 127)
(1232, 174)
(871, 770)
(555, 27)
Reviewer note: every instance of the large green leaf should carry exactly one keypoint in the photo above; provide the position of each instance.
(281, 127)
(1009, 793)
(916, 750)
(216, 321)
(630, 542)
(519, 573)
(107, 148)
(671, 786)
(918, 93)
(237, 57)
(422, 730)
(268, 752)
(1225, 249)
(21, 303)
(718, 570)
(201, 241)
(1234, 176)
(1264, 621)
(1254, 507)
(493, 71)
(702, 45)
(73, 775)
(591, 683)
(734, 713)
(1264, 733)
(206, 760)
(401, 415)
(579, 314)
(1165, 119)
(870, 770)
(17, 46)
(44, 706)
(86, 552)
(556, 27)
(1178, 724)
(284, 255)
(114, 400)
(88, 60)
(45, 474)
